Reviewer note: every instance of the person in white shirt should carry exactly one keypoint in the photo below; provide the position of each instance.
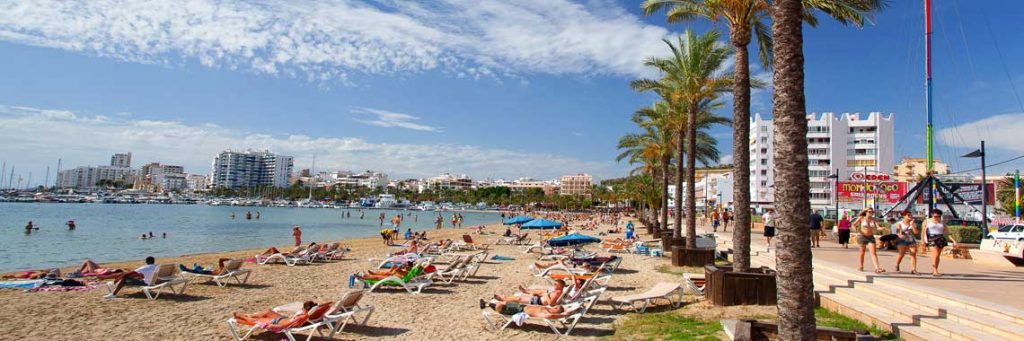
(141, 276)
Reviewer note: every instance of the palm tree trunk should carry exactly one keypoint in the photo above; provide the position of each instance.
(678, 219)
(665, 161)
(741, 160)
(793, 258)
(691, 177)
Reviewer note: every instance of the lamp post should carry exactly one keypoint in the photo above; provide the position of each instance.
(835, 191)
(980, 153)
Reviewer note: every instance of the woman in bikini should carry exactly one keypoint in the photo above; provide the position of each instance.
(935, 236)
(906, 240)
(866, 238)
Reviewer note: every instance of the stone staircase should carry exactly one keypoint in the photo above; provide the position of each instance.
(913, 312)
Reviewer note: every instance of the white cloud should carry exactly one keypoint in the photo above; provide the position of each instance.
(36, 138)
(329, 40)
(725, 159)
(388, 119)
(1000, 132)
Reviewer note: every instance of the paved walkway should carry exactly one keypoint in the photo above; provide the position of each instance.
(1001, 286)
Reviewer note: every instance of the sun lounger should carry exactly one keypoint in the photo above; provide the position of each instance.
(167, 277)
(304, 321)
(571, 314)
(232, 269)
(339, 315)
(659, 291)
(298, 256)
(695, 282)
(413, 282)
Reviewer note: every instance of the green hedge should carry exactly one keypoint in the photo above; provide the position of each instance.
(964, 234)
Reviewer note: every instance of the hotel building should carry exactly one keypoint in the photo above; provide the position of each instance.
(578, 184)
(234, 170)
(848, 142)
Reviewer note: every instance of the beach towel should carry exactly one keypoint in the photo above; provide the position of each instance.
(32, 284)
(88, 287)
(497, 257)
(520, 318)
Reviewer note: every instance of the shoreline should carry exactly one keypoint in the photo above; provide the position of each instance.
(250, 252)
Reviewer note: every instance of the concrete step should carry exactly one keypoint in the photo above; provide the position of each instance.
(915, 304)
(878, 318)
(932, 320)
(958, 306)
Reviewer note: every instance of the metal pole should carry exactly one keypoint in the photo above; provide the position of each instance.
(864, 189)
(984, 195)
(835, 194)
(928, 88)
(1016, 195)
(4, 171)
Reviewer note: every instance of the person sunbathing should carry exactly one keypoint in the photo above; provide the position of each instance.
(271, 320)
(395, 270)
(196, 269)
(536, 296)
(412, 249)
(143, 275)
(545, 265)
(32, 274)
(274, 250)
(512, 308)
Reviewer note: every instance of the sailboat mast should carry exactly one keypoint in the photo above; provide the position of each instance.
(312, 178)
(928, 99)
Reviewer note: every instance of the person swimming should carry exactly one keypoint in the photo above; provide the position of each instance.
(70, 224)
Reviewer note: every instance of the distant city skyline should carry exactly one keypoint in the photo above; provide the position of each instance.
(491, 89)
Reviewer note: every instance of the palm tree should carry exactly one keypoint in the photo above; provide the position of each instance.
(691, 80)
(657, 117)
(747, 19)
(794, 279)
(644, 149)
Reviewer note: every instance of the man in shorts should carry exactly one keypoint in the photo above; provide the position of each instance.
(141, 276)
(816, 221)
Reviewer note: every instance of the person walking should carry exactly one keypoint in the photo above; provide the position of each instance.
(297, 234)
(726, 216)
(816, 221)
(715, 220)
(866, 238)
(935, 235)
(906, 232)
(769, 227)
(843, 230)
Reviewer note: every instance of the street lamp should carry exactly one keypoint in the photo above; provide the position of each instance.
(980, 153)
(835, 190)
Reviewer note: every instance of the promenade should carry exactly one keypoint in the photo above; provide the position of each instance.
(969, 301)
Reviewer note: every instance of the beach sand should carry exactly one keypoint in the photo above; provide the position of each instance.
(441, 312)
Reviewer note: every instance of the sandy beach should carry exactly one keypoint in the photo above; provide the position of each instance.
(444, 312)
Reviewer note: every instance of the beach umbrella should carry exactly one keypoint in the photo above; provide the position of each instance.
(542, 224)
(517, 220)
(573, 239)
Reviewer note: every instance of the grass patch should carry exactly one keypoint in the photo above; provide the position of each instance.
(828, 318)
(666, 326)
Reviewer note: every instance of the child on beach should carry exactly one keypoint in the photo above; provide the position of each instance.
(297, 233)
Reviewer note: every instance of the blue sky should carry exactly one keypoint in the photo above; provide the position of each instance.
(490, 89)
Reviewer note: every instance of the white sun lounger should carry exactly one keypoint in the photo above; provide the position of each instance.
(341, 313)
(312, 325)
(571, 316)
(167, 276)
(232, 269)
(691, 283)
(662, 290)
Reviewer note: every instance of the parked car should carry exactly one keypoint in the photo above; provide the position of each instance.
(1010, 232)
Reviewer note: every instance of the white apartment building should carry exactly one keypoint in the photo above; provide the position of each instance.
(578, 184)
(847, 142)
(86, 177)
(549, 187)
(368, 179)
(235, 170)
(123, 160)
(447, 181)
(198, 182)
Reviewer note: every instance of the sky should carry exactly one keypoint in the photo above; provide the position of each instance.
(498, 89)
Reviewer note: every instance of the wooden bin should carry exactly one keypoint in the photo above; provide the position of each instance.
(723, 287)
(682, 256)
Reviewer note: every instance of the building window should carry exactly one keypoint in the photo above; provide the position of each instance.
(860, 163)
(764, 161)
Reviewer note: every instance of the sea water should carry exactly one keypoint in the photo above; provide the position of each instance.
(110, 232)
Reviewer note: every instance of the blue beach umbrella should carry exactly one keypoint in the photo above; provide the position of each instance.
(573, 239)
(517, 220)
(541, 224)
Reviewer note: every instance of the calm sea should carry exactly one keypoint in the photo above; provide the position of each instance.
(110, 232)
